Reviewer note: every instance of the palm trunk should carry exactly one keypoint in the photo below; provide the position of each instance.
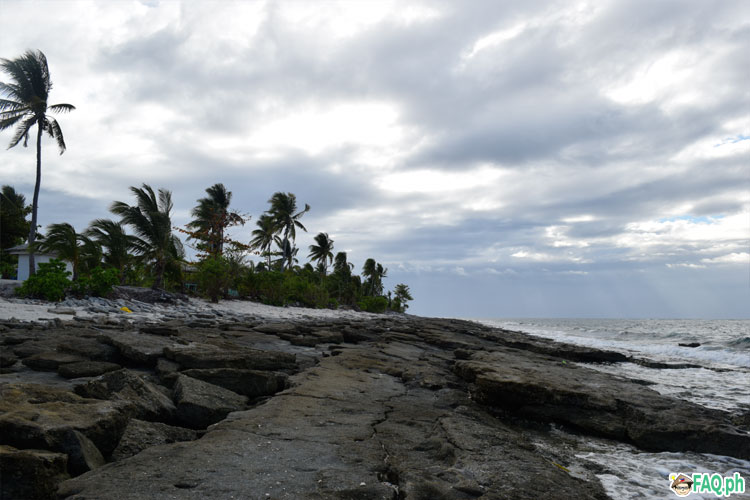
(35, 203)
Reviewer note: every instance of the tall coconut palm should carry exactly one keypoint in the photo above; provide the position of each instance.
(151, 220)
(212, 217)
(263, 236)
(286, 218)
(323, 251)
(25, 105)
(76, 248)
(111, 235)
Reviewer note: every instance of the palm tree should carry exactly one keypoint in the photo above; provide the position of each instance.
(111, 235)
(287, 252)
(212, 217)
(374, 273)
(263, 236)
(341, 266)
(26, 105)
(151, 220)
(323, 251)
(283, 208)
(69, 245)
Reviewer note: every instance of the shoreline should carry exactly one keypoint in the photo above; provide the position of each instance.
(293, 403)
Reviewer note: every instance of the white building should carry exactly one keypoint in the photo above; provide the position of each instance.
(23, 260)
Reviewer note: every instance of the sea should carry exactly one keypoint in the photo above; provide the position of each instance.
(721, 380)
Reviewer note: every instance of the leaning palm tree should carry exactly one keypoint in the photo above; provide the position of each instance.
(341, 266)
(151, 220)
(25, 105)
(63, 240)
(263, 236)
(111, 235)
(322, 252)
(374, 273)
(286, 218)
(212, 217)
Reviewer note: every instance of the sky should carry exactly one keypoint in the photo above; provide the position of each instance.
(502, 158)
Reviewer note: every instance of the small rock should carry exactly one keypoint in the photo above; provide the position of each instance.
(62, 310)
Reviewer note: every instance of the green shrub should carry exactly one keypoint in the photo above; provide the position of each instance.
(98, 283)
(49, 282)
(299, 290)
(373, 304)
(213, 277)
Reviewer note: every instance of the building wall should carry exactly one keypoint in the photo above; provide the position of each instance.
(23, 265)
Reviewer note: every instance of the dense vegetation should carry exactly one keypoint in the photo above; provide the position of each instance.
(106, 254)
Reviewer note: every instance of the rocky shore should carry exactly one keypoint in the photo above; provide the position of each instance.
(389, 407)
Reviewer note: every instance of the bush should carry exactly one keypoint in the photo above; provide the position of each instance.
(303, 292)
(373, 304)
(49, 282)
(213, 277)
(97, 284)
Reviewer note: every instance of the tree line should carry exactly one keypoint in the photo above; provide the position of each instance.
(151, 254)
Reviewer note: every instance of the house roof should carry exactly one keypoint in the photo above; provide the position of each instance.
(24, 250)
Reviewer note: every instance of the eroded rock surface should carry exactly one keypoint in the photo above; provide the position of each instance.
(394, 408)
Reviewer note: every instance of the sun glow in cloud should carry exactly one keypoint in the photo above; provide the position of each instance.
(434, 181)
(316, 128)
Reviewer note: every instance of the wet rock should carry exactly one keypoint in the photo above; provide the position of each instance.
(140, 435)
(250, 383)
(31, 474)
(544, 388)
(690, 344)
(200, 404)
(51, 360)
(211, 356)
(86, 369)
(37, 416)
(144, 399)
(89, 348)
(7, 359)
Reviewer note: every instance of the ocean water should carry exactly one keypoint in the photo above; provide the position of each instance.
(721, 380)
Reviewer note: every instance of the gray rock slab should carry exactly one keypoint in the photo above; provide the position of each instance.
(137, 348)
(144, 399)
(200, 404)
(140, 435)
(86, 369)
(51, 360)
(31, 474)
(37, 416)
(212, 356)
(547, 389)
(250, 383)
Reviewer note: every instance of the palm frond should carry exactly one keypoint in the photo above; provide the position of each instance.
(54, 130)
(10, 121)
(22, 132)
(61, 108)
(12, 106)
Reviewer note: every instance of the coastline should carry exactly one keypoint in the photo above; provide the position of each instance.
(372, 406)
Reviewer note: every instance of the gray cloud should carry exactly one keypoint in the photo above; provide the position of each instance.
(562, 156)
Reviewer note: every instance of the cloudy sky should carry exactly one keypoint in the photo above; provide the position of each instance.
(503, 158)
